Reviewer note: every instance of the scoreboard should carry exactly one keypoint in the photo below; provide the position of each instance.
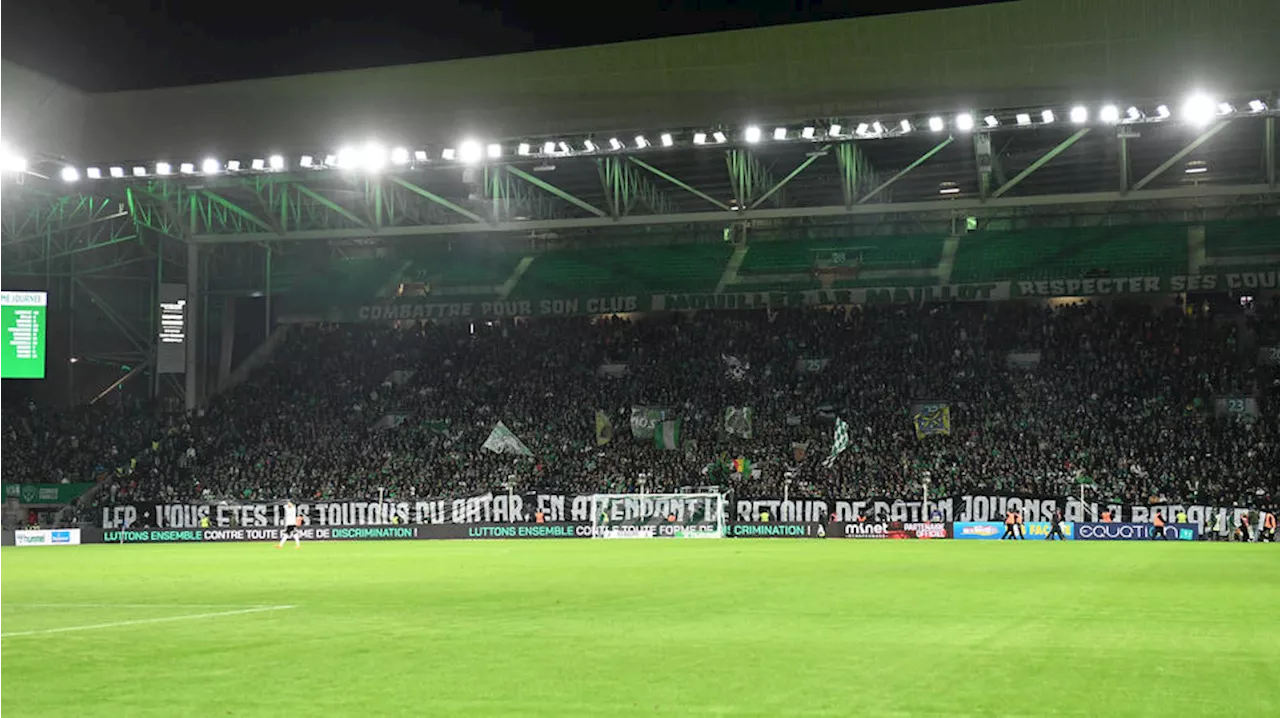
(22, 321)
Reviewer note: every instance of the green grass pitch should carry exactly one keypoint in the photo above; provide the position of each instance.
(619, 628)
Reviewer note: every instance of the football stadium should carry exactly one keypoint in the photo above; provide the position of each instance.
(407, 390)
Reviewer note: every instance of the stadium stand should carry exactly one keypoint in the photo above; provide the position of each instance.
(1123, 393)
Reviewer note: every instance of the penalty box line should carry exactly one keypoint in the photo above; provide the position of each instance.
(143, 621)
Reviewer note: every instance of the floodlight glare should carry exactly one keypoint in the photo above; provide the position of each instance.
(93, 173)
(990, 121)
(375, 157)
(699, 138)
(1023, 119)
(164, 168)
(779, 133)
(1257, 106)
(305, 160)
(400, 156)
(1047, 117)
(1079, 114)
(667, 139)
(347, 158)
(420, 155)
(187, 168)
(936, 124)
(117, 172)
(964, 122)
(70, 174)
(494, 150)
(1109, 114)
(1133, 114)
(1198, 109)
(807, 133)
(139, 171)
(209, 166)
(615, 144)
(752, 134)
(11, 161)
(522, 149)
(448, 154)
(470, 151)
(1225, 108)
(331, 160)
(258, 164)
(1162, 111)
(276, 162)
(905, 126)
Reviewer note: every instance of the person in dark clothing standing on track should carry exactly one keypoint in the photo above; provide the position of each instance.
(1056, 528)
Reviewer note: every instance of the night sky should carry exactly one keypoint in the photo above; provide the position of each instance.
(104, 45)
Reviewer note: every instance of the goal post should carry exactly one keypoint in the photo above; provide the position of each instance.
(700, 515)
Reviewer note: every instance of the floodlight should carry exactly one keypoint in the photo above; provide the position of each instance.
(936, 124)
(615, 144)
(879, 128)
(589, 146)
(400, 156)
(420, 156)
(1257, 106)
(564, 147)
(494, 150)
(187, 168)
(905, 126)
(209, 166)
(667, 139)
(1198, 109)
(834, 130)
(70, 174)
(139, 171)
(1133, 114)
(641, 142)
(990, 121)
(699, 138)
(448, 154)
(807, 133)
(1225, 108)
(375, 157)
(470, 151)
(964, 122)
(1047, 117)
(1162, 111)
(1079, 114)
(752, 134)
(117, 172)
(522, 149)
(1023, 119)
(258, 164)
(1109, 114)
(548, 148)
(861, 129)
(347, 158)
(93, 173)
(1196, 167)
(779, 133)
(276, 162)
(719, 137)
(305, 160)
(233, 165)
(164, 168)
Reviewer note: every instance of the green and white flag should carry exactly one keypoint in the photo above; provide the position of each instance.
(667, 435)
(840, 443)
(502, 441)
(737, 421)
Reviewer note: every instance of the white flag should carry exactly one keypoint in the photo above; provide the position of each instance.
(502, 441)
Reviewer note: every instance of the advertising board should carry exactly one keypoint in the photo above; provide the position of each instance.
(47, 537)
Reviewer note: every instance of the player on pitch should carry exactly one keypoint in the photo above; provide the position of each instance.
(291, 523)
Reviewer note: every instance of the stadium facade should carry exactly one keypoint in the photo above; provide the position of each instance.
(1033, 148)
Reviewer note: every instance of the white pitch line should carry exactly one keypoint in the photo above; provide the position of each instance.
(124, 605)
(141, 621)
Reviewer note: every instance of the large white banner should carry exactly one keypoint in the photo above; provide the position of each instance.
(523, 508)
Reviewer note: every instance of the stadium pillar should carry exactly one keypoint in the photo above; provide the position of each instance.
(194, 327)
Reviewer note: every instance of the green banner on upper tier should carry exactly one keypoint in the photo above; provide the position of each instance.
(45, 493)
(427, 308)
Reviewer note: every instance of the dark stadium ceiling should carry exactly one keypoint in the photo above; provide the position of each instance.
(1201, 148)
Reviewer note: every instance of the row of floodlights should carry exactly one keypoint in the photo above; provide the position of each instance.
(1197, 110)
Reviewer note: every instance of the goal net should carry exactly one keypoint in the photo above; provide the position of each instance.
(657, 515)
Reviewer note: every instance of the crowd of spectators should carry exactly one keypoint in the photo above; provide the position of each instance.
(1123, 396)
